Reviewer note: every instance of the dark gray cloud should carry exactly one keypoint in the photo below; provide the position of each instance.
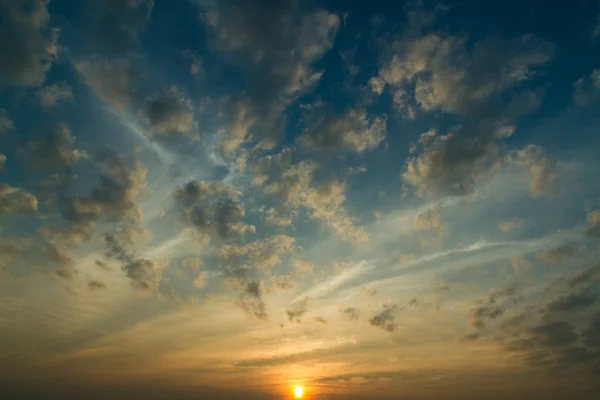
(385, 319)
(61, 258)
(144, 274)
(350, 313)
(96, 285)
(554, 334)
(297, 311)
(114, 25)
(212, 207)
(52, 147)
(352, 131)
(489, 309)
(591, 334)
(28, 46)
(571, 302)
(557, 254)
(251, 299)
(169, 112)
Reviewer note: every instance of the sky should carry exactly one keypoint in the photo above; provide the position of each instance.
(219, 199)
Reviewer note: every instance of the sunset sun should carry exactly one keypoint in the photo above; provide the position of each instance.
(298, 392)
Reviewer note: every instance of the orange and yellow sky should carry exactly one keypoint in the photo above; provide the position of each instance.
(222, 199)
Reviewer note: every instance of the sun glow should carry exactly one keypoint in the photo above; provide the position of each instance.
(298, 392)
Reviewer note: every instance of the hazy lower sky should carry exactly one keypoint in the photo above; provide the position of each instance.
(219, 199)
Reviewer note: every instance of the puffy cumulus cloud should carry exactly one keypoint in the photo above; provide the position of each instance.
(352, 131)
(386, 318)
(453, 164)
(276, 44)
(436, 72)
(109, 79)
(293, 186)
(114, 197)
(557, 254)
(16, 201)
(593, 228)
(212, 207)
(6, 124)
(587, 88)
(114, 25)
(201, 279)
(296, 312)
(303, 267)
(28, 46)
(274, 218)
(144, 274)
(52, 148)
(283, 282)
(509, 226)
(541, 169)
(49, 96)
(571, 302)
(262, 253)
(169, 112)
(61, 258)
(431, 219)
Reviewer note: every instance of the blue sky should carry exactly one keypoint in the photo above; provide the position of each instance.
(229, 199)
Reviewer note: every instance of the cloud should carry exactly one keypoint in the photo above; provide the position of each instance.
(571, 302)
(554, 334)
(350, 313)
(352, 131)
(169, 112)
(273, 218)
(489, 308)
(10, 250)
(276, 44)
(28, 47)
(297, 311)
(586, 89)
(320, 320)
(144, 274)
(62, 258)
(2, 162)
(49, 96)
(212, 207)
(200, 279)
(196, 65)
(303, 267)
(115, 25)
(52, 148)
(96, 285)
(591, 334)
(6, 124)
(109, 79)
(434, 72)
(440, 286)
(541, 169)
(593, 219)
(385, 319)
(509, 226)
(558, 254)
(251, 299)
(431, 219)
(16, 201)
(283, 282)
(583, 277)
(263, 253)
